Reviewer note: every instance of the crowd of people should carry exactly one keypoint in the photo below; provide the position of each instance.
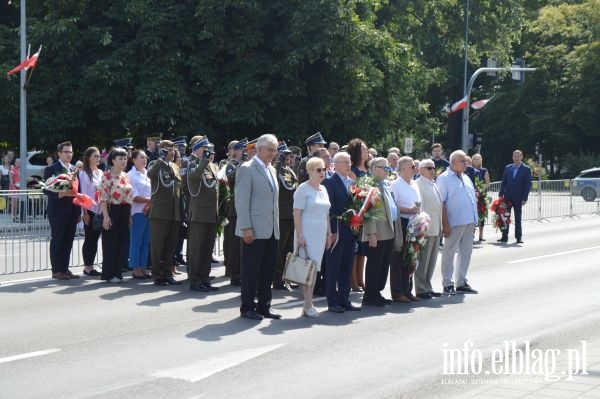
(267, 201)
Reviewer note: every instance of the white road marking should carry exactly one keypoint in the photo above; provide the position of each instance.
(27, 355)
(207, 367)
(554, 254)
(26, 280)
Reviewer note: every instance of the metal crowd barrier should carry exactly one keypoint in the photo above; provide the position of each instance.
(25, 234)
(551, 199)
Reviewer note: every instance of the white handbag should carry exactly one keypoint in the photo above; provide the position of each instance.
(300, 270)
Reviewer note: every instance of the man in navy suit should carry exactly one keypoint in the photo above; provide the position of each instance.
(341, 256)
(63, 216)
(516, 183)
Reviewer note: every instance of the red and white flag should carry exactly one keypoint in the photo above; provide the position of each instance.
(29, 62)
(457, 106)
(480, 104)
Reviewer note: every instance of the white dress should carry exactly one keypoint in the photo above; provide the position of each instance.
(315, 217)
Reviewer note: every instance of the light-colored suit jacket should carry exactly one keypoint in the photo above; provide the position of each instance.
(256, 201)
(383, 227)
(431, 203)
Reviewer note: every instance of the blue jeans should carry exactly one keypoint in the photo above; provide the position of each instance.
(140, 241)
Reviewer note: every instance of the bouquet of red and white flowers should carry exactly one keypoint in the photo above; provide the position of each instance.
(366, 204)
(483, 200)
(416, 237)
(61, 183)
(501, 208)
(68, 183)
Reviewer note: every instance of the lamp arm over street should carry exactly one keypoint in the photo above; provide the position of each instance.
(466, 110)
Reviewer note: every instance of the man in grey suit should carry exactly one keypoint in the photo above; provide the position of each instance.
(431, 203)
(256, 203)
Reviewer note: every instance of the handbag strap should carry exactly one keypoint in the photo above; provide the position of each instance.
(305, 251)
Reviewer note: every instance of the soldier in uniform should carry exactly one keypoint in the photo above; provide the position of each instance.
(232, 245)
(180, 143)
(288, 182)
(164, 213)
(229, 156)
(250, 149)
(202, 216)
(151, 150)
(313, 143)
(296, 158)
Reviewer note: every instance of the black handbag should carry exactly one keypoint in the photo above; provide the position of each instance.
(98, 222)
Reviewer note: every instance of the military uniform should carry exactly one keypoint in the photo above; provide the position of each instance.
(164, 216)
(288, 182)
(232, 244)
(315, 139)
(202, 219)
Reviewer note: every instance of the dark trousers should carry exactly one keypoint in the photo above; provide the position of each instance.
(339, 272)
(258, 268)
(234, 249)
(401, 282)
(286, 244)
(517, 207)
(201, 240)
(90, 242)
(163, 240)
(183, 232)
(321, 280)
(61, 241)
(378, 265)
(115, 242)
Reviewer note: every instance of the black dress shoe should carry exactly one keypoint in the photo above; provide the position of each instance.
(373, 302)
(319, 292)
(386, 301)
(251, 314)
(352, 308)
(503, 240)
(180, 260)
(267, 314)
(203, 287)
(92, 272)
(161, 282)
(172, 281)
(235, 281)
(435, 294)
(280, 285)
(424, 295)
(336, 309)
(519, 241)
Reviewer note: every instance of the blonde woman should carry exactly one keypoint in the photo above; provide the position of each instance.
(311, 222)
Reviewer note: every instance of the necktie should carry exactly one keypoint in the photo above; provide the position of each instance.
(515, 170)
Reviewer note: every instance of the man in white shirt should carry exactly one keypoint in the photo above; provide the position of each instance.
(459, 217)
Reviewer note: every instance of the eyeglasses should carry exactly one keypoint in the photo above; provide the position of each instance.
(429, 167)
(320, 170)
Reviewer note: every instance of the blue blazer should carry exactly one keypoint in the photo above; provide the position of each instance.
(340, 201)
(62, 207)
(516, 189)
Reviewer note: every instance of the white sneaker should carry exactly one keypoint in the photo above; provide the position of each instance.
(115, 280)
(310, 312)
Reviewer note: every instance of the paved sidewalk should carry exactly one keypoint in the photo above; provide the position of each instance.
(536, 386)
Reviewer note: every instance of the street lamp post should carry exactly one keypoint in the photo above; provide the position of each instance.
(465, 126)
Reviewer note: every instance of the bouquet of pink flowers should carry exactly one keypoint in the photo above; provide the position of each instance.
(416, 237)
(366, 204)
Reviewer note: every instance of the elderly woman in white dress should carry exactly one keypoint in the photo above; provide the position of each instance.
(311, 222)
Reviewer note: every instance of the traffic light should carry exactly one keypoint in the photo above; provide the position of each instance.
(518, 76)
(476, 139)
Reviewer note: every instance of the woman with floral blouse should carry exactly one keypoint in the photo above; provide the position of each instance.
(116, 196)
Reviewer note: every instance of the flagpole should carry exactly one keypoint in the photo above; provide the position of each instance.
(23, 115)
